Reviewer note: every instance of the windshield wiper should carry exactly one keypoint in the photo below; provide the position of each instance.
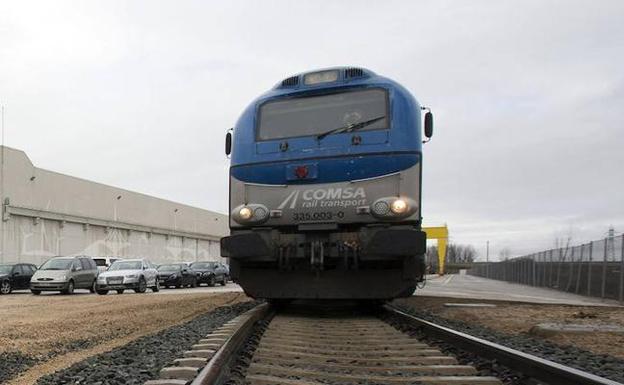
(350, 127)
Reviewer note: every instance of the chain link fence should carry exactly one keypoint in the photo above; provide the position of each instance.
(594, 269)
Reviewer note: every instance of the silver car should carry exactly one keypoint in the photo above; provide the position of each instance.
(135, 274)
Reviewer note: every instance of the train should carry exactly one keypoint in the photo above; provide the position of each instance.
(325, 185)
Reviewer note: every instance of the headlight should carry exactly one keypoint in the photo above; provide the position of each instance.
(131, 276)
(320, 77)
(173, 276)
(245, 213)
(250, 214)
(399, 206)
(393, 208)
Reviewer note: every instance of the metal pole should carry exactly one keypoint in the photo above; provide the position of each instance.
(604, 270)
(550, 275)
(580, 267)
(534, 264)
(570, 270)
(589, 267)
(543, 267)
(487, 259)
(622, 271)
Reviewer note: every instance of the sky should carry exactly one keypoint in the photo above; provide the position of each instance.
(527, 96)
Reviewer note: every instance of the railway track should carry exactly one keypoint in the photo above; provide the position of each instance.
(308, 349)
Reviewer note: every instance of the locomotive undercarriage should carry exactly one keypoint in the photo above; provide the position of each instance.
(372, 262)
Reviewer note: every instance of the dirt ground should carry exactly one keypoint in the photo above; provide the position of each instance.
(72, 328)
(518, 318)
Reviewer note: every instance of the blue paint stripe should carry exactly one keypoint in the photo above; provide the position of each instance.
(328, 170)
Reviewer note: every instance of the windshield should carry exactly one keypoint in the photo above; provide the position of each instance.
(315, 115)
(5, 269)
(126, 265)
(57, 264)
(169, 268)
(203, 265)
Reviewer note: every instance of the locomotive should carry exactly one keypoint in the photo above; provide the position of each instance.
(325, 189)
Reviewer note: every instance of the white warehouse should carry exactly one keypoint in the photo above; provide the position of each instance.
(45, 214)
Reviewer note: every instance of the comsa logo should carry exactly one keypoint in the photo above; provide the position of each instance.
(329, 197)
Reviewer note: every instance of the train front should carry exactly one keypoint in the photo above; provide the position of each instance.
(325, 189)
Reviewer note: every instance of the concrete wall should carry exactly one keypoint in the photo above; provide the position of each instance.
(45, 213)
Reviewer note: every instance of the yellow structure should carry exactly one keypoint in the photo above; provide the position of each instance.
(440, 233)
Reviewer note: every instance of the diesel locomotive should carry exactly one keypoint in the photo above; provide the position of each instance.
(325, 189)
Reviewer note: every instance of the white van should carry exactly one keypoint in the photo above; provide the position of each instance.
(103, 263)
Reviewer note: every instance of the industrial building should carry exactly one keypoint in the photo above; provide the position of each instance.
(45, 214)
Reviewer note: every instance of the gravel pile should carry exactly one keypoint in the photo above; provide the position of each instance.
(141, 360)
(12, 363)
(598, 364)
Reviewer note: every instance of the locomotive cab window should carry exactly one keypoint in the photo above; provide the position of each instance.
(323, 114)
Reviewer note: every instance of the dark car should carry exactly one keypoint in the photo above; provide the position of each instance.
(16, 277)
(176, 274)
(210, 273)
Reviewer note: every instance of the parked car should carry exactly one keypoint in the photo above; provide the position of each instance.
(15, 277)
(103, 263)
(176, 274)
(65, 274)
(227, 272)
(210, 273)
(135, 274)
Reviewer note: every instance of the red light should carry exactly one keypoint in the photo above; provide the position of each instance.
(301, 171)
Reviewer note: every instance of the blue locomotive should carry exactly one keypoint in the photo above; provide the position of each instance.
(325, 189)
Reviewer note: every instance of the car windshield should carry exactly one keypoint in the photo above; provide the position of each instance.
(169, 268)
(126, 265)
(316, 115)
(203, 265)
(57, 264)
(5, 269)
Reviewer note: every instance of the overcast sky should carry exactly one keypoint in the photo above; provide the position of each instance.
(527, 95)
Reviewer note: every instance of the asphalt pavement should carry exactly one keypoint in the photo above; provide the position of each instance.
(468, 286)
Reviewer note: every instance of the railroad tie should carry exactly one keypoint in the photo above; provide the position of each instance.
(351, 350)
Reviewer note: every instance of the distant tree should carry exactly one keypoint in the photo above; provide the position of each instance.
(562, 248)
(458, 253)
(431, 256)
(504, 254)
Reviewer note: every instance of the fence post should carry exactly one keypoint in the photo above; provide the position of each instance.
(604, 270)
(622, 271)
(550, 273)
(589, 267)
(543, 258)
(578, 276)
(534, 265)
(570, 270)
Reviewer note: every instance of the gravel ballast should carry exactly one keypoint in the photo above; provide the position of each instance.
(12, 363)
(142, 359)
(598, 364)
